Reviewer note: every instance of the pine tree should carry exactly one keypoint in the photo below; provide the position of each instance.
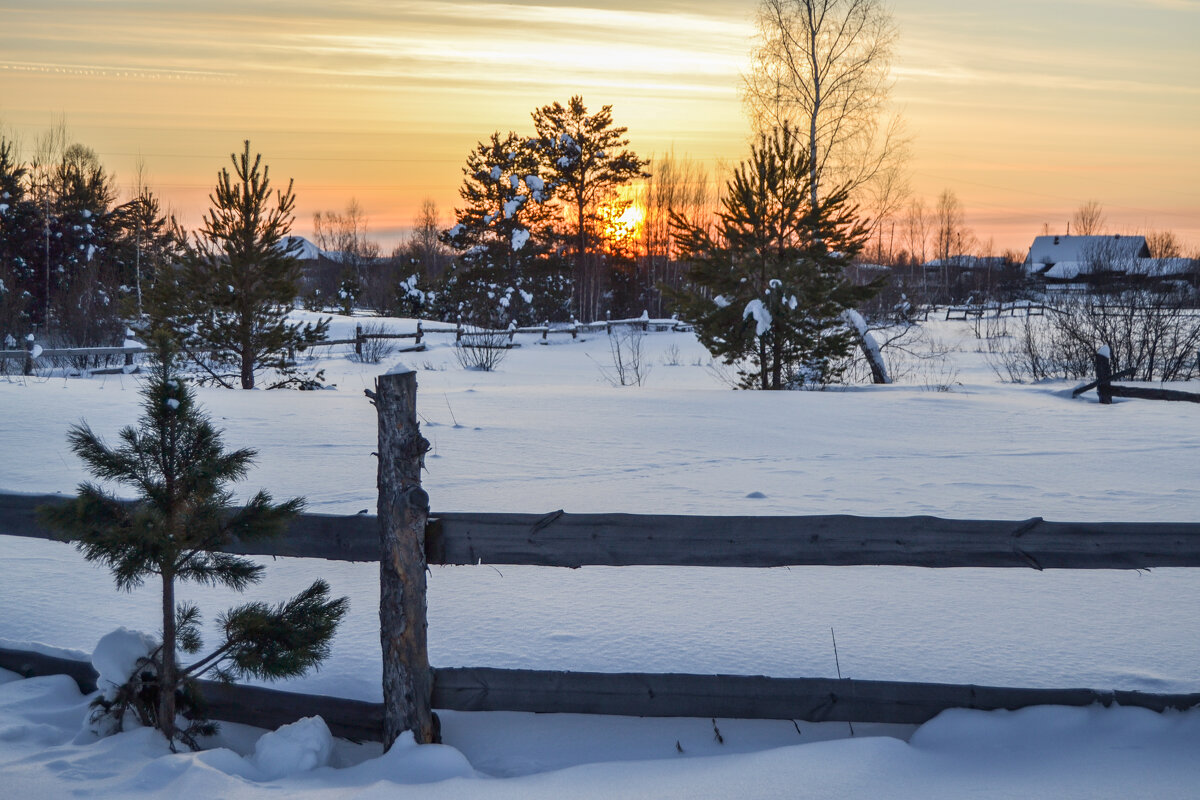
(145, 243)
(175, 530)
(768, 291)
(585, 158)
(20, 235)
(507, 267)
(238, 283)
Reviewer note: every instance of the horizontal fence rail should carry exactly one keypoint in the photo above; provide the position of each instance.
(626, 694)
(575, 540)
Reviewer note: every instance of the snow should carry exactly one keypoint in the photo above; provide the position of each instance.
(545, 432)
(535, 183)
(762, 316)
(519, 238)
(172, 404)
(1065, 753)
(301, 746)
(495, 173)
(856, 321)
(117, 654)
(721, 302)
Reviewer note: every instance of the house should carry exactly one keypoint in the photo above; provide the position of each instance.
(1071, 258)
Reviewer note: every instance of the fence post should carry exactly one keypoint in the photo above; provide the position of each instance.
(575, 329)
(458, 330)
(1104, 375)
(28, 368)
(420, 332)
(403, 512)
(546, 331)
(358, 340)
(608, 322)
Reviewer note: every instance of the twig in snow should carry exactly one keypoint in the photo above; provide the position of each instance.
(838, 664)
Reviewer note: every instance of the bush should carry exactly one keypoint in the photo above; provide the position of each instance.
(374, 350)
(481, 351)
(629, 366)
(1155, 333)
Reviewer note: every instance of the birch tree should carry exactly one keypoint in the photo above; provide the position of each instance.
(824, 68)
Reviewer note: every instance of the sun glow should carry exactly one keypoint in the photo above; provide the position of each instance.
(620, 224)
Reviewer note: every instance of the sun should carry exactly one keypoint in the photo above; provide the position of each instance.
(620, 224)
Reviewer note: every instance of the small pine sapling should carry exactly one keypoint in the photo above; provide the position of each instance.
(176, 529)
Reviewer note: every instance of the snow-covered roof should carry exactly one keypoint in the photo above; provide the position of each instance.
(1116, 251)
(307, 251)
(1163, 267)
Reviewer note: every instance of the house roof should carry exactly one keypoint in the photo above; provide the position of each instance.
(1049, 250)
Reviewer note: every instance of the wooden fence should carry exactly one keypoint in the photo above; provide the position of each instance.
(1013, 309)
(33, 352)
(574, 540)
(1106, 390)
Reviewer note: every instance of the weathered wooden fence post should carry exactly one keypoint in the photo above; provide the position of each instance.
(29, 345)
(1103, 363)
(358, 340)
(420, 332)
(403, 511)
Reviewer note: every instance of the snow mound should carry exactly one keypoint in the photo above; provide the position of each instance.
(299, 747)
(117, 653)
(406, 762)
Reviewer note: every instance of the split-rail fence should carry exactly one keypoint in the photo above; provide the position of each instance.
(406, 536)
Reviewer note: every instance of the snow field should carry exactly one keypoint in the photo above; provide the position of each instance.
(546, 432)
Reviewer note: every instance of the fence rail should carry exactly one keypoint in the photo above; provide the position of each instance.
(625, 694)
(575, 540)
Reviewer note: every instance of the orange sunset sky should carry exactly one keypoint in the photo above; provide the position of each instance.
(1024, 109)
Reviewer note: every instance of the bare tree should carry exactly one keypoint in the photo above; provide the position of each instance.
(824, 66)
(677, 185)
(1088, 219)
(345, 234)
(1164, 244)
(916, 230)
(424, 245)
(951, 237)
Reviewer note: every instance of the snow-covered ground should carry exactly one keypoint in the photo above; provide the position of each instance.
(545, 432)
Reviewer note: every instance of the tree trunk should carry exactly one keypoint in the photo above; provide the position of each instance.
(247, 368)
(166, 681)
(403, 511)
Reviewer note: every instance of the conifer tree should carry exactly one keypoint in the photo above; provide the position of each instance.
(238, 283)
(507, 268)
(767, 292)
(584, 156)
(20, 232)
(174, 531)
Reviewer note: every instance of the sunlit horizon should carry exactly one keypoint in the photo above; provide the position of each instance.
(1025, 111)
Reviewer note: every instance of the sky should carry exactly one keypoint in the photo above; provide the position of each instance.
(1024, 109)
